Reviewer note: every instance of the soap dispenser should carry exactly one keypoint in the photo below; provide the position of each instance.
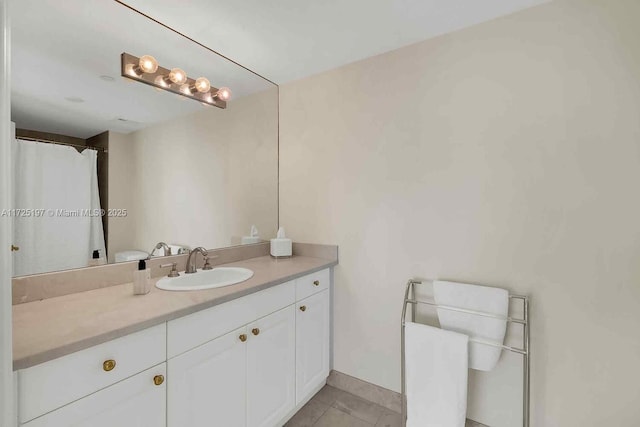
(142, 279)
(281, 246)
(96, 259)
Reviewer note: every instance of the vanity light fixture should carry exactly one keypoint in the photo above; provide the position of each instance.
(148, 64)
(202, 85)
(186, 90)
(224, 93)
(177, 76)
(146, 70)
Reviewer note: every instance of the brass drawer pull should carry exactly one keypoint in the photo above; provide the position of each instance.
(255, 331)
(158, 379)
(303, 308)
(14, 248)
(108, 365)
(316, 283)
(243, 337)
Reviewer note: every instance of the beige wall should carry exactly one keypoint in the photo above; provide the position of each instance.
(199, 180)
(506, 154)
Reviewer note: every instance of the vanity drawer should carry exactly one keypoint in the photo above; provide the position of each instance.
(193, 330)
(312, 284)
(137, 401)
(50, 385)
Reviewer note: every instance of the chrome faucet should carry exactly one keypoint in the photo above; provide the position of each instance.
(161, 245)
(191, 266)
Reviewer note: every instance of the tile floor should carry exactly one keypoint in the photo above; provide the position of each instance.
(332, 407)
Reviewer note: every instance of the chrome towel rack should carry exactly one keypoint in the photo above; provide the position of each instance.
(409, 298)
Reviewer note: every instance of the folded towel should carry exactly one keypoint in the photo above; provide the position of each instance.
(479, 298)
(175, 250)
(436, 376)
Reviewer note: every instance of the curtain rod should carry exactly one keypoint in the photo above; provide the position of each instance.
(68, 144)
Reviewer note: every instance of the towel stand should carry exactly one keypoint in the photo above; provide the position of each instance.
(409, 298)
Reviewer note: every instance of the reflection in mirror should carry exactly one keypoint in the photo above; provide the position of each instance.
(110, 169)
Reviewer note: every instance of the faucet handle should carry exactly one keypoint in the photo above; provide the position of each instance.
(207, 265)
(174, 269)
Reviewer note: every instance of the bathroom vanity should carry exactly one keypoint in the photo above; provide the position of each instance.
(249, 354)
(167, 168)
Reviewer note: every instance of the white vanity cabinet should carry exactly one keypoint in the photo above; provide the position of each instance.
(138, 401)
(58, 382)
(312, 343)
(258, 374)
(244, 378)
(249, 362)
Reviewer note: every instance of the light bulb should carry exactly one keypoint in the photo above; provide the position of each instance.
(161, 81)
(202, 84)
(178, 76)
(185, 89)
(224, 94)
(132, 70)
(148, 64)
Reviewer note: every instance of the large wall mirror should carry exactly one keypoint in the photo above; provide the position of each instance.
(162, 167)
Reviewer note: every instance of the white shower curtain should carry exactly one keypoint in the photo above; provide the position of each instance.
(62, 185)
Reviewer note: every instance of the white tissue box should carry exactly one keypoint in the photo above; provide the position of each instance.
(281, 247)
(249, 240)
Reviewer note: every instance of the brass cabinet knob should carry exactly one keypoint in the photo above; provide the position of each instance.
(108, 365)
(14, 248)
(303, 308)
(255, 331)
(316, 283)
(158, 379)
(243, 337)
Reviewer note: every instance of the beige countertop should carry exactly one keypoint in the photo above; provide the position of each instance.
(54, 327)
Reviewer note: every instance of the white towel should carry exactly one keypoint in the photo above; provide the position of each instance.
(479, 298)
(436, 364)
(175, 250)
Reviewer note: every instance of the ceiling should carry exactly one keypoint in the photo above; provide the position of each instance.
(286, 40)
(62, 51)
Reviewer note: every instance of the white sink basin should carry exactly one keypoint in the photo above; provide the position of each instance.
(205, 279)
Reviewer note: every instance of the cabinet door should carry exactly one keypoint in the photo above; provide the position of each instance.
(138, 401)
(312, 343)
(207, 385)
(271, 368)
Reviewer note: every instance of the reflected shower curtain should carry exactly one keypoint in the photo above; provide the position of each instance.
(61, 186)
